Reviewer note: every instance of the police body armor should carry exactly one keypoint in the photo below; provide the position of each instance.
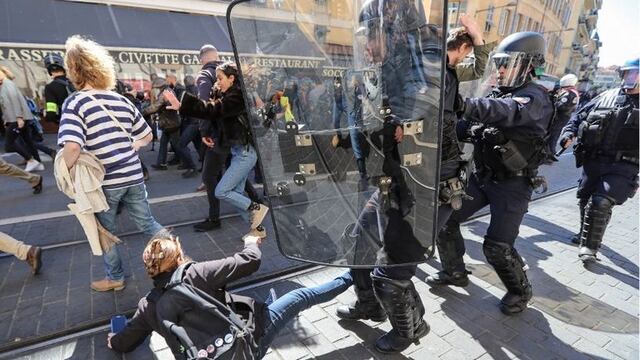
(610, 131)
(503, 153)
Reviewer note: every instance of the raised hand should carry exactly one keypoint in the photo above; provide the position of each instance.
(172, 99)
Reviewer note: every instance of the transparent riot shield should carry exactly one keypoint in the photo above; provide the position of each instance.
(345, 105)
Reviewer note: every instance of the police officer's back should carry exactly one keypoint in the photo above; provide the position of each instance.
(606, 132)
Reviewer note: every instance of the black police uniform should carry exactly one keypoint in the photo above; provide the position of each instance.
(55, 93)
(566, 100)
(522, 116)
(389, 291)
(607, 149)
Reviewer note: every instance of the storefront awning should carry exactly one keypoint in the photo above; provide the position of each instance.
(52, 22)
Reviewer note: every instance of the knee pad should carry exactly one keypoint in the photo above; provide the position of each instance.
(495, 252)
(501, 255)
(602, 202)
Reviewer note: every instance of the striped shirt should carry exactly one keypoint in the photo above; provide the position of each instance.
(84, 121)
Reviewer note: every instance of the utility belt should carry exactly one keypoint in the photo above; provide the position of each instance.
(620, 156)
(503, 175)
(536, 181)
(451, 191)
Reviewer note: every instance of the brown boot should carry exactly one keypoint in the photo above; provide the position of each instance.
(34, 259)
(107, 284)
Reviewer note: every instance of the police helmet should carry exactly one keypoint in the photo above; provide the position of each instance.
(629, 74)
(518, 56)
(528, 42)
(568, 80)
(53, 61)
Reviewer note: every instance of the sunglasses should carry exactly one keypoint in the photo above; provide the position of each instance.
(502, 61)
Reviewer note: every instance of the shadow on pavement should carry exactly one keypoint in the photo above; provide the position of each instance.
(500, 340)
(549, 295)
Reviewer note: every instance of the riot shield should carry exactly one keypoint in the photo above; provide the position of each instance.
(345, 102)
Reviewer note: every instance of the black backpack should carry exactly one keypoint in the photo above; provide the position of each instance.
(202, 326)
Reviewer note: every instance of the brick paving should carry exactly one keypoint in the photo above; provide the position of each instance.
(577, 312)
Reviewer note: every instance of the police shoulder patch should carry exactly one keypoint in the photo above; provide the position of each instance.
(523, 100)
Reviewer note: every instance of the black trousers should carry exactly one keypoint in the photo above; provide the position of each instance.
(508, 200)
(615, 180)
(20, 140)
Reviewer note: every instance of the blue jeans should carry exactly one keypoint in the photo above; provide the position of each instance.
(356, 146)
(231, 186)
(135, 199)
(338, 110)
(287, 307)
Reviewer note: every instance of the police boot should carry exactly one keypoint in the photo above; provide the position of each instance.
(366, 307)
(362, 168)
(511, 270)
(450, 249)
(581, 204)
(402, 303)
(596, 218)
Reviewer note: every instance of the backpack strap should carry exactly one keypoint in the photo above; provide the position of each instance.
(202, 299)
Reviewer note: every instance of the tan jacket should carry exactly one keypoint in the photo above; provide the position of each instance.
(475, 70)
(83, 184)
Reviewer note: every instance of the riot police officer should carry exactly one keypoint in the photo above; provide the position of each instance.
(57, 91)
(606, 130)
(508, 129)
(566, 100)
(385, 30)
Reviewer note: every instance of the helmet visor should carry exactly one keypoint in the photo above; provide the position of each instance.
(508, 69)
(630, 79)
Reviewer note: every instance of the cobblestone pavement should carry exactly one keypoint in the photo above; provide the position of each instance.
(577, 312)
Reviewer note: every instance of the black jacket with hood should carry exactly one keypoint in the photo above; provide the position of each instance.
(211, 277)
(226, 110)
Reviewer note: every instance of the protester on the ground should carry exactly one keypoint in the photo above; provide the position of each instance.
(15, 114)
(11, 170)
(227, 109)
(29, 253)
(163, 258)
(109, 127)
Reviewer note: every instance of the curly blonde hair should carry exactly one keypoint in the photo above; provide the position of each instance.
(163, 254)
(88, 63)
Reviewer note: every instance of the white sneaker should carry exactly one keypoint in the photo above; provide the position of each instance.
(32, 165)
(40, 167)
(587, 255)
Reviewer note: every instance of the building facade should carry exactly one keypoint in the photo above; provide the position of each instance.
(567, 25)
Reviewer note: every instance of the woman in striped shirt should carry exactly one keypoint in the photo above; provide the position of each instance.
(106, 124)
